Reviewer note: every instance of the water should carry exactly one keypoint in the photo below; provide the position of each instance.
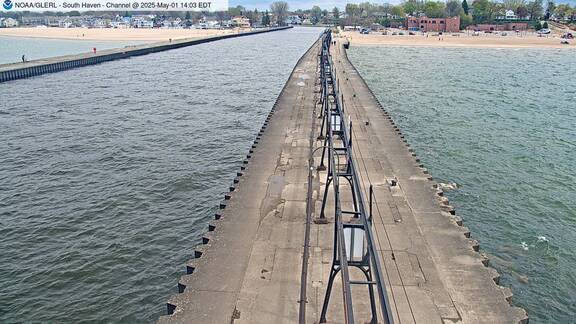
(501, 124)
(12, 48)
(110, 173)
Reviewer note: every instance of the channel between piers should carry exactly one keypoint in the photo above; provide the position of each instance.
(264, 261)
(248, 269)
(14, 71)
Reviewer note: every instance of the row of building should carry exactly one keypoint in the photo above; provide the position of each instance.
(135, 21)
(452, 25)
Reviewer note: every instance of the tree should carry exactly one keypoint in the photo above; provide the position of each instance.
(280, 10)
(522, 11)
(465, 20)
(513, 4)
(538, 25)
(236, 11)
(434, 9)
(336, 13)
(545, 25)
(410, 7)
(453, 8)
(535, 9)
(550, 8)
(266, 19)
(483, 11)
(398, 11)
(353, 11)
(187, 17)
(315, 14)
(563, 11)
(465, 7)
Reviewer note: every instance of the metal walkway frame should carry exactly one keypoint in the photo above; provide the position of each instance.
(354, 245)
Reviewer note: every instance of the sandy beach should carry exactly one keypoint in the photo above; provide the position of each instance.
(110, 34)
(463, 39)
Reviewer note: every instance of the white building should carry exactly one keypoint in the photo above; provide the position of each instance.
(293, 20)
(240, 21)
(510, 15)
(9, 23)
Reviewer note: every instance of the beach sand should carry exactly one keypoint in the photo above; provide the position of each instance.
(464, 39)
(111, 34)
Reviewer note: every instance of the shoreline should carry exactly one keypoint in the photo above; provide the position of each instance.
(113, 34)
(462, 40)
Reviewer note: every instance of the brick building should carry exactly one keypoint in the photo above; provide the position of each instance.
(425, 24)
(499, 27)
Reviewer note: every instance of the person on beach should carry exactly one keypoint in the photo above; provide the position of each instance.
(23, 58)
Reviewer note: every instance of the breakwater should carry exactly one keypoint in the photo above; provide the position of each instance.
(248, 268)
(125, 177)
(23, 70)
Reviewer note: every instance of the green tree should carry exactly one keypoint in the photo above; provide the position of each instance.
(398, 11)
(353, 12)
(280, 10)
(411, 7)
(266, 19)
(538, 25)
(315, 14)
(465, 7)
(521, 11)
(336, 13)
(236, 11)
(550, 8)
(453, 8)
(434, 9)
(545, 25)
(465, 20)
(535, 9)
(483, 11)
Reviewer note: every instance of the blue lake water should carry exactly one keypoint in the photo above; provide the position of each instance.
(501, 123)
(110, 173)
(12, 48)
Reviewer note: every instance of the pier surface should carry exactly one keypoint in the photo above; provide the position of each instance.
(14, 71)
(250, 267)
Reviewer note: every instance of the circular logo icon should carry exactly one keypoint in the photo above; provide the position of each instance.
(7, 4)
(135, 5)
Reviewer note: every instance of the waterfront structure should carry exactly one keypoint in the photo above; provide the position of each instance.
(14, 71)
(9, 23)
(276, 247)
(511, 26)
(425, 24)
(293, 20)
(240, 21)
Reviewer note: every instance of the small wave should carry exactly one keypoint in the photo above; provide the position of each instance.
(542, 239)
(448, 186)
(524, 246)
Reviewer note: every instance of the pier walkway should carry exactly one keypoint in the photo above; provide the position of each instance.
(264, 259)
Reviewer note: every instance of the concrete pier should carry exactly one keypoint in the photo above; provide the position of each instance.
(250, 266)
(16, 71)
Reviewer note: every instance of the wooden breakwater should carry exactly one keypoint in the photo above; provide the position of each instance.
(14, 71)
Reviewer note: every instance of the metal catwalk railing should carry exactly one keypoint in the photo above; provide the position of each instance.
(354, 245)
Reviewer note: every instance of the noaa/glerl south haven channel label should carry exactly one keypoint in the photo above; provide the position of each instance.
(115, 5)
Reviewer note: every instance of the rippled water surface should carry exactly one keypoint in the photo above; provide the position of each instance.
(501, 123)
(110, 173)
(12, 48)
